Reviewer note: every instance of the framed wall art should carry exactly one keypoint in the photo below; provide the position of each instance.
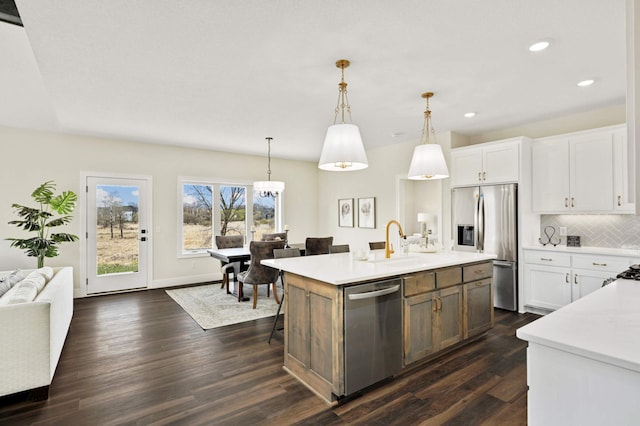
(367, 212)
(345, 212)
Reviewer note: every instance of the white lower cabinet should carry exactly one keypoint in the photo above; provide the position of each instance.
(554, 279)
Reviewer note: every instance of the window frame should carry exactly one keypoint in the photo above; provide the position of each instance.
(215, 183)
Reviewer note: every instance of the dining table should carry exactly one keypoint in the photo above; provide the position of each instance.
(236, 257)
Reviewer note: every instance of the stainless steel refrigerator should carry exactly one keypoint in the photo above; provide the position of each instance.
(485, 219)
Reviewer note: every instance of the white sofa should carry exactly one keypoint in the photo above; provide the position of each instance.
(32, 335)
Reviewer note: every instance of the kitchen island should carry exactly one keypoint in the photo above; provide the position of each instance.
(443, 300)
(583, 360)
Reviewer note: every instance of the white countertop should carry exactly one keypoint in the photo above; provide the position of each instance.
(604, 325)
(587, 250)
(342, 268)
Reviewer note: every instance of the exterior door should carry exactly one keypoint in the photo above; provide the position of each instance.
(117, 234)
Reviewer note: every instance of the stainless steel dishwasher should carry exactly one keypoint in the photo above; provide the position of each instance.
(372, 333)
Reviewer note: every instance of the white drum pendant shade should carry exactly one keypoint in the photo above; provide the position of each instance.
(343, 149)
(268, 186)
(428, 163)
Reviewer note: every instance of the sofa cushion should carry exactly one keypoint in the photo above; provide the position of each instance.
(24, 291)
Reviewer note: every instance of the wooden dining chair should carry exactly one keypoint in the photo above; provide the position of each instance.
(258, 274)
(376, 245)
(279, 254)
(340, 248)
(229, 241)
(317, 245)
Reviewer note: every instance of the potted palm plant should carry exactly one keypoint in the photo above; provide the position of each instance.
(42, 219)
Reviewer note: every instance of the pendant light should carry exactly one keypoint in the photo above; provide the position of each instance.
(343, 149)
(268, 188)
(428, 160)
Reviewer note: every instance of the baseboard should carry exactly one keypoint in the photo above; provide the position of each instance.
(191, 279)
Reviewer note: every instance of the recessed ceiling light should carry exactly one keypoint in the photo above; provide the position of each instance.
(585, 83)
(470, 114)
(539, 45)
(397, 134)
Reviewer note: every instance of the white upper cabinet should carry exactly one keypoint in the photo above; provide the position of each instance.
(579, 173)
(550, 170)
(591, 168)
(623, 173)
(486, 164)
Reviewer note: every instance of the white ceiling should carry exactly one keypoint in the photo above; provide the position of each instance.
(223, 75)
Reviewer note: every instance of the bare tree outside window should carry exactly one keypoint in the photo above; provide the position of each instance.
(232, 210)
(197, 213)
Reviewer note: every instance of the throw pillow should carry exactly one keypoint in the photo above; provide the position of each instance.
(37, 279)
(46, 272)
(4, 287)
(25, 292)
(13, 278)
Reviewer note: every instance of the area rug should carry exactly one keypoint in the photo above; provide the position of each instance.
(211, 307)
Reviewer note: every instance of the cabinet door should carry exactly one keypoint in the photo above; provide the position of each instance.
(587, 281)
(547, 287)
(550, 171)
(297, 312)
(466, 167)
(591, 165)
(449, 311)
(623, 173)
(419, 313)
(478, 307)
(501, 163)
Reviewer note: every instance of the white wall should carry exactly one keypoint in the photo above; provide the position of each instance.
(31, 158)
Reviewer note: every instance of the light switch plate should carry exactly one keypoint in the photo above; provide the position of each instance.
(563, 231)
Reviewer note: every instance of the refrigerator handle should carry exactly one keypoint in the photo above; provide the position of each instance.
(476, 223)
(481, 224)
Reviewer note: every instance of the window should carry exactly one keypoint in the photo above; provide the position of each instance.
(264, 215)
(200, 218)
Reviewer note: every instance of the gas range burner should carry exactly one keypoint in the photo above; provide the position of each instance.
(633, 273)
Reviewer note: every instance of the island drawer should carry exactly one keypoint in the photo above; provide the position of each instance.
(448, 277)
(477, 272)
(422, 282)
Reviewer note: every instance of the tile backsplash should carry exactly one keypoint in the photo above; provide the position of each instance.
(612, 231)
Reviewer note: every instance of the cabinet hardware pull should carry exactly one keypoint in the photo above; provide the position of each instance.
(572, 203)
(566, 278)
(598, 264)
(484, 175)
(546, 259)
(575, 279)
(619, 200)
(480, 176)
(566, 202)
(440, 304)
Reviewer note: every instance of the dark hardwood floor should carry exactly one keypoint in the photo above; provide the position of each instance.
(138, 358)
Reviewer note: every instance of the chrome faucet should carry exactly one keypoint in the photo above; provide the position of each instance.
(387, 247)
